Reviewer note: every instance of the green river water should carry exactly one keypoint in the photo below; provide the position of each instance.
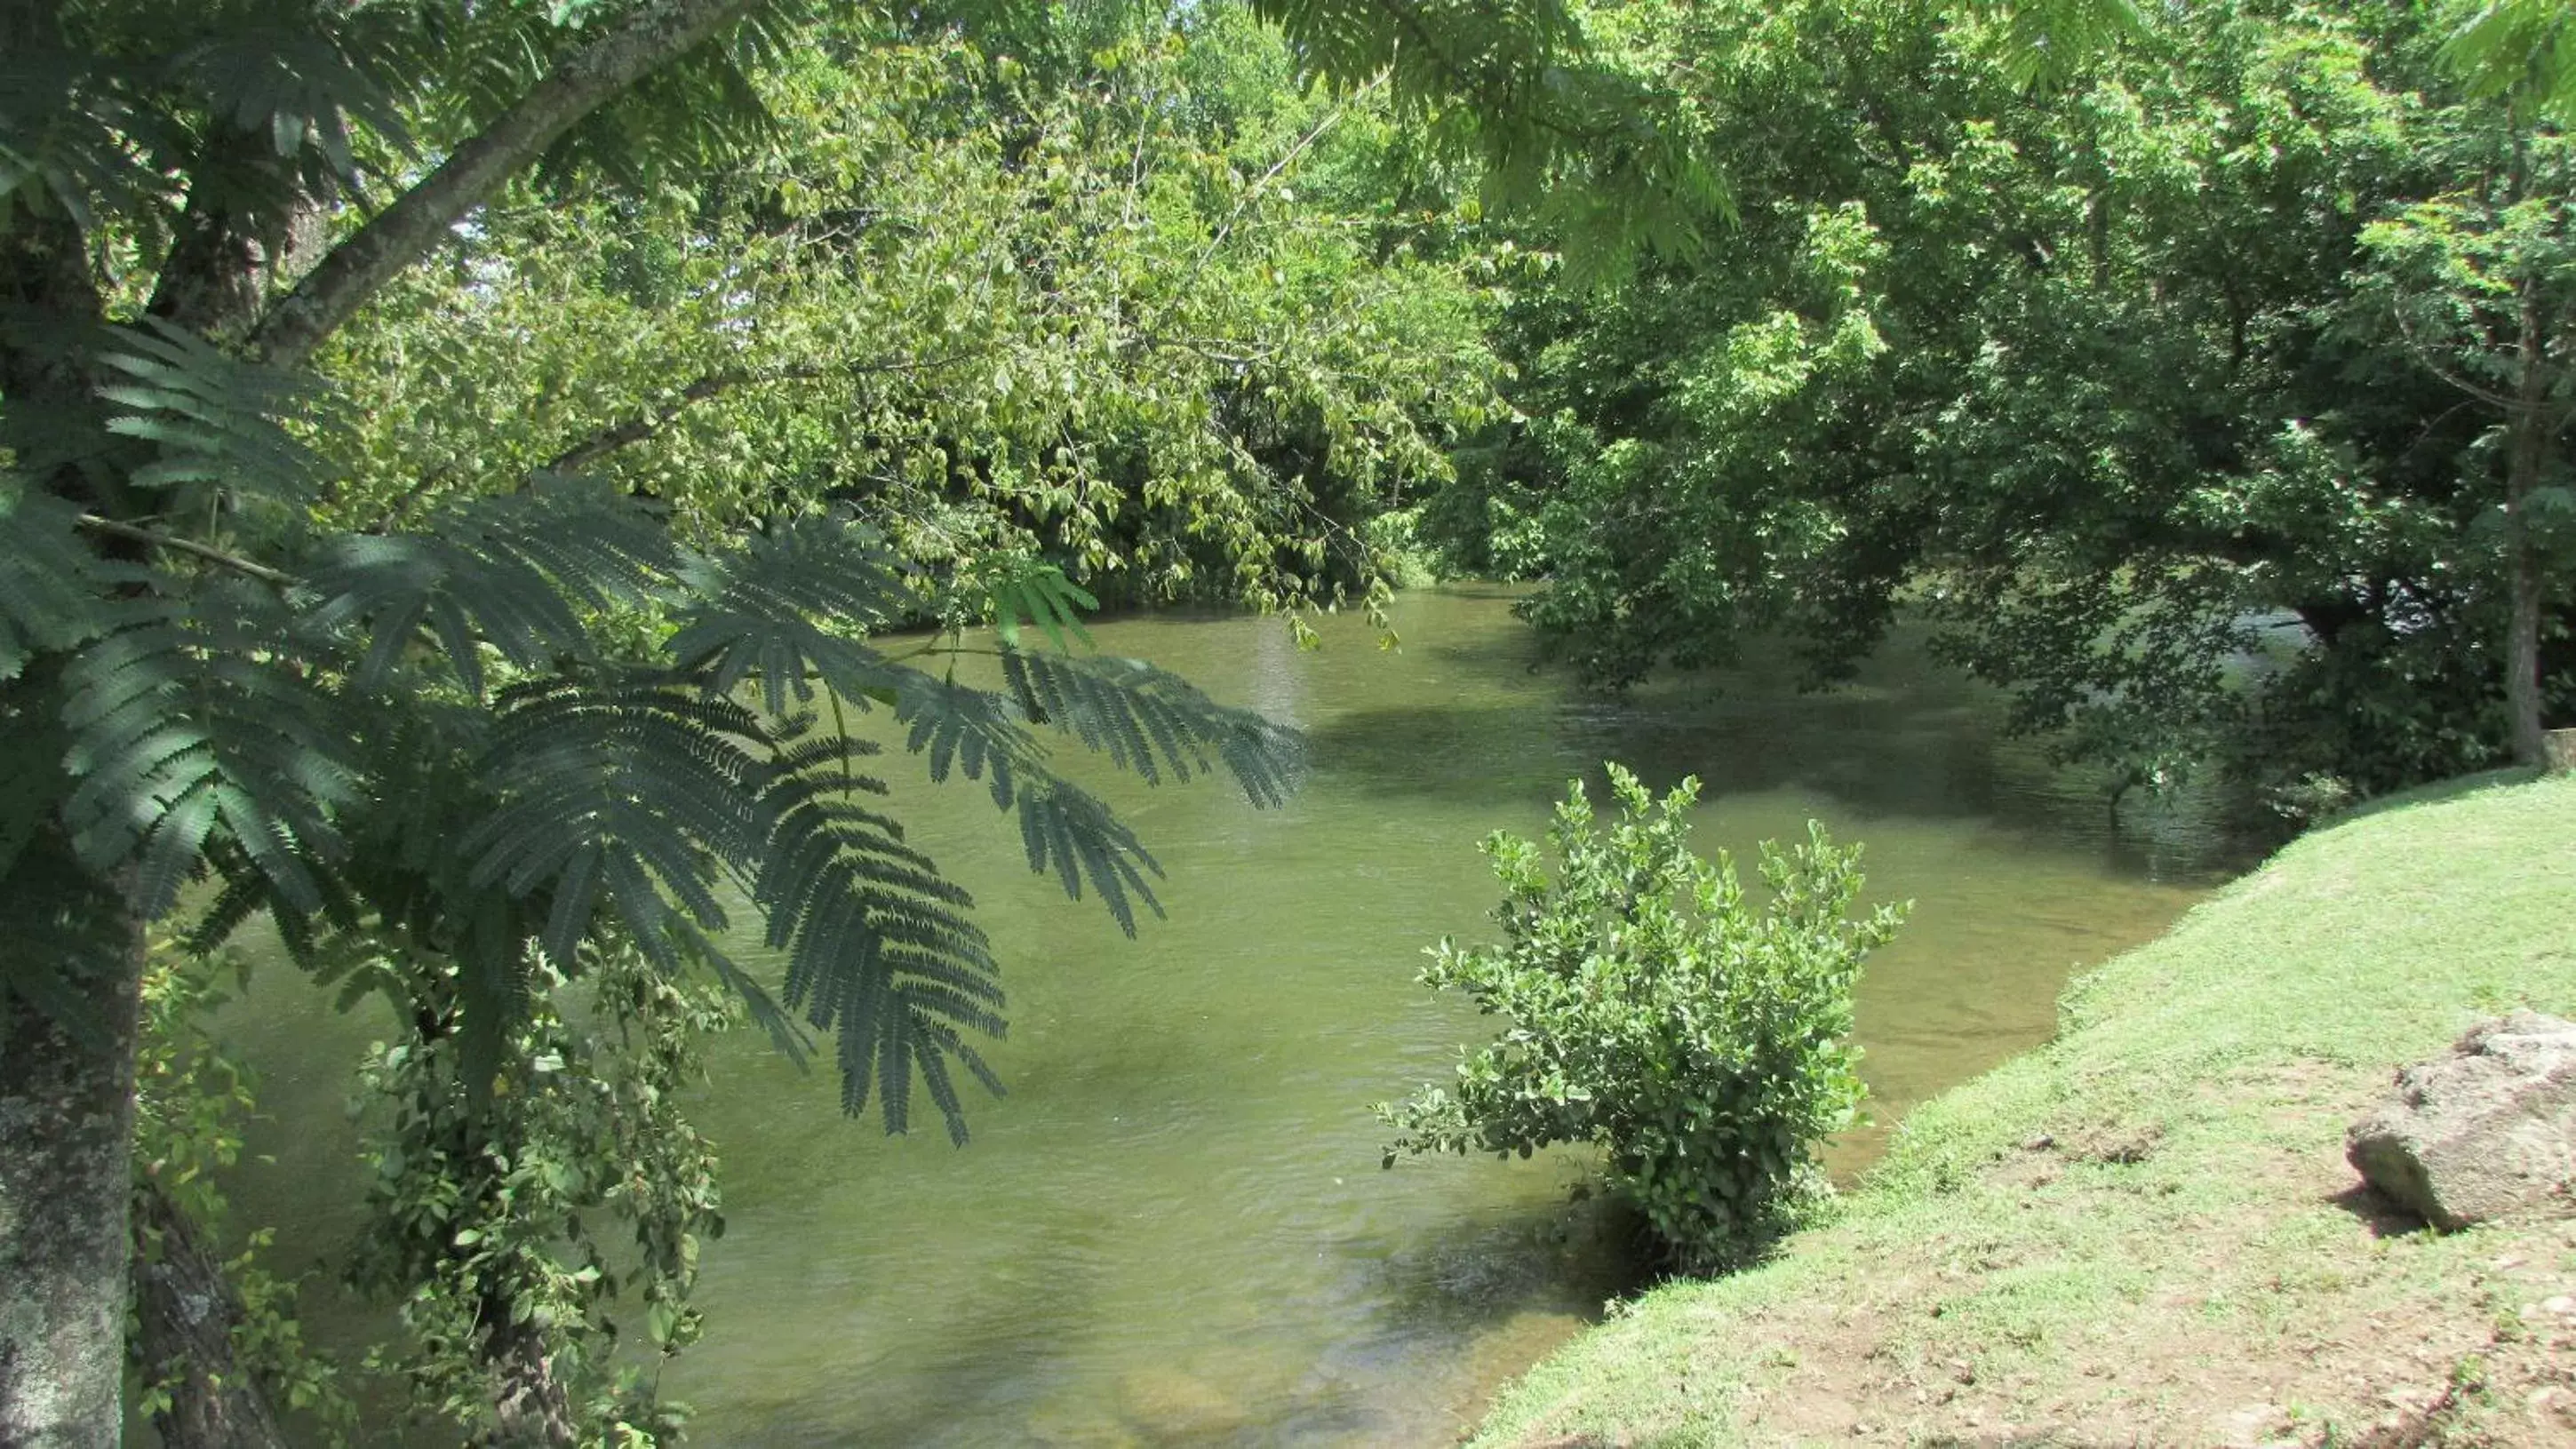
(1175, 1230)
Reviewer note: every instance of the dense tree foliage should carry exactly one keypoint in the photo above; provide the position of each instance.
(462, 464)
(1110, 321)
(2209, 392)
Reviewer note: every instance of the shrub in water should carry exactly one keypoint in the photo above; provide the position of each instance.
(1702, 1041)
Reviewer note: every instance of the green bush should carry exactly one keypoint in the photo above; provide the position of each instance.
(1700, 1041)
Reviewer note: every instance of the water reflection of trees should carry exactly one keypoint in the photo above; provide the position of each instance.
(1905, 739)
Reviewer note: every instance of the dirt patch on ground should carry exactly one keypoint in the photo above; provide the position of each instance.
(2314, 1316)
(2300, 1311)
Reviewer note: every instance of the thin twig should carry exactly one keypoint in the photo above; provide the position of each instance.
(644, 425)
(2427, 356)
(1253, 193)
(189, 546)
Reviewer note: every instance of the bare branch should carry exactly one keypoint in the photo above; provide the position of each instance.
(1253, 193)
(644, 425)
(152, 538)
(2430, 358)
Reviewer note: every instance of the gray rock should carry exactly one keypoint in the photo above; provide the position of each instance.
(2484, 1131)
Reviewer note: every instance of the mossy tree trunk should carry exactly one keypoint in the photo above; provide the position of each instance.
(67, 1119)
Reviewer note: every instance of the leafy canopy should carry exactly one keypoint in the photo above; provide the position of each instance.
(2132, 376)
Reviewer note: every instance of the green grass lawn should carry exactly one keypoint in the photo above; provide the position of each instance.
(2145, 1232)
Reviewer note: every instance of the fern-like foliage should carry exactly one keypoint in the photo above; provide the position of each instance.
(536, 722)
(2047, 40)
(1016, 587)
(788, 607)
(515, 573)
(982, 735)
(1151, 722)
(198, 724)
(404, 888)
(2525, 49)
(1609, 157)
(622, 792)
(1435, 50)
(299, 83)
(689, 118)
(51, 584)
(213, 418)
(1068, 830)
(59, 926)
(56, 154)
(879, 945)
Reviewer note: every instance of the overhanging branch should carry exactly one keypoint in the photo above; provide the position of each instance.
(715, 384)
(658, 33)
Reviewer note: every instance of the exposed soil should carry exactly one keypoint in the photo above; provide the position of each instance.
(2368, 1341)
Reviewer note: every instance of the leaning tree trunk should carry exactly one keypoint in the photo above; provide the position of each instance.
(66, 1130)
(185, 1311)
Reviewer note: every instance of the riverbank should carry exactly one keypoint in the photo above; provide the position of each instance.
(2146, 1232)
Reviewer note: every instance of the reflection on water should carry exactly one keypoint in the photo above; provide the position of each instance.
(1175, 1230)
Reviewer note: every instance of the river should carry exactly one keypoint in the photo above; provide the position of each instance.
(1175, 1229)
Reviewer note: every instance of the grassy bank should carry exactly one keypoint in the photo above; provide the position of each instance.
(2146, 1233)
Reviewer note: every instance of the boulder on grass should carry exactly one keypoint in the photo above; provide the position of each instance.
(2485, 1131)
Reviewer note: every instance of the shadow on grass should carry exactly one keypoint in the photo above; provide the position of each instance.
(2438, 791)
(2384, 1219)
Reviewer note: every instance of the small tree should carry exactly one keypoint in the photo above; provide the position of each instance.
(1700, 1041)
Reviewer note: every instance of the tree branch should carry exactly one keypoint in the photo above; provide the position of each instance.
(2425, 354)
(715, 384)
(645, 424)
(133, 533)
(658, 33)
(1253, 192)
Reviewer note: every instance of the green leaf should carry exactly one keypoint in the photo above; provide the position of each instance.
(215, 420)
(54, 590)
(1150, 722)
(199, 726)
(512, 573)
(788, 602)
(615, 792)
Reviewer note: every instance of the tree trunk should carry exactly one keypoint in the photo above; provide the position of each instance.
(2527, 453)
(531, 1410)
(185, 1311)
(651, 37)
(66, 941)
(66, 1141)
(2522, 655)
